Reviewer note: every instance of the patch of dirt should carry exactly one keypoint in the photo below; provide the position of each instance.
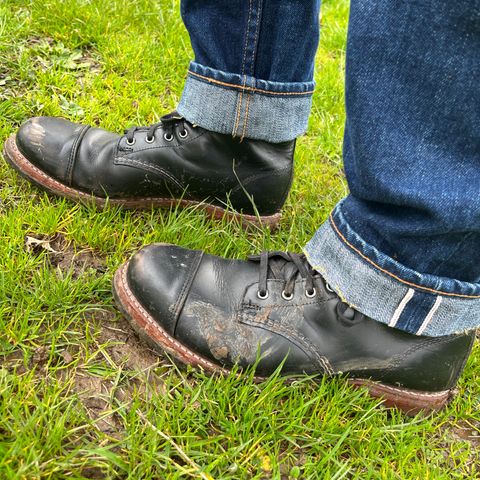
(14, 361)
(95, 395)
(95, 473)
(467, 430)
(114, 367)
(64, 255)
(35, 40)
(123, 345)
(122, 350)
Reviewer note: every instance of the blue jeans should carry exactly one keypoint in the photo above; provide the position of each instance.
(404, 246)
(253, 61)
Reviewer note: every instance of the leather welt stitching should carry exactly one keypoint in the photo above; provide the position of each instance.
(420, 287)
(244, 88)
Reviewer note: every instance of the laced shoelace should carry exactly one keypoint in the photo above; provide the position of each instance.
(287, 266)
(168, 123)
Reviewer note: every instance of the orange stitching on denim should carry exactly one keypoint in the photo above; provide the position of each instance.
(240, 97)
(393, 275)
(252, 69)
(246, 37)
(239, 108)
(249, 89)
(255, 45)
(247, 111)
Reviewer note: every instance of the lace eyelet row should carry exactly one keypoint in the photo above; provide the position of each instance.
(264, 295)
(166, 136)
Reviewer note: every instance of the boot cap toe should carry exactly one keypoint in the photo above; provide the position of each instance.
(159, 276)
(47, 142)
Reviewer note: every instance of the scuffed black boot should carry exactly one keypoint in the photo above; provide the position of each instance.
(172, 162)
(213, 313)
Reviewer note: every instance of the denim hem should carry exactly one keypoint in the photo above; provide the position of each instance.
(412, 278)
(244, 106)
(366, 283)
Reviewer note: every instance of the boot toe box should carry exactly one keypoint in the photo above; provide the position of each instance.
(47, 142)
(158, 276)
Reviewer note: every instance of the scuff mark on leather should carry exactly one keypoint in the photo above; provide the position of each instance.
(36, 133)
(284, 324)
(263, 314)
(226, 338)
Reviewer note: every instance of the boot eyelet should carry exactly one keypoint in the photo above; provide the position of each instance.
(131, 142)
(183, 134)
(285, 296)
(329, 288)
(168, 137)
(149, 140)
(310, 294)
(262, 295)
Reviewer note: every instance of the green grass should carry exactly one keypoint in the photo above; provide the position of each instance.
(80, 397)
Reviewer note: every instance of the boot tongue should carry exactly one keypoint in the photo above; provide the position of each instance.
(171, 117)
(280, 268)
(288, 269)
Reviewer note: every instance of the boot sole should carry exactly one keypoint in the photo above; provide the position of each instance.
(409, 401)
(19, 162)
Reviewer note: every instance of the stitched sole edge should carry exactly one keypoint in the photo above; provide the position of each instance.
(409, 401)
(19, 162)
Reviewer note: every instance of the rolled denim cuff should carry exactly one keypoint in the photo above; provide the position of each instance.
(245, 106)
(387, 291)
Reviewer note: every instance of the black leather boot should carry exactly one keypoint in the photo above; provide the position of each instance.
(213, 313)
(172, 162)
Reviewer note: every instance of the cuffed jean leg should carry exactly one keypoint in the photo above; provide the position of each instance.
(404, 247)
(253, 71)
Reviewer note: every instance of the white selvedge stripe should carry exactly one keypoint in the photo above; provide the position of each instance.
(429, 316)
(396, 315)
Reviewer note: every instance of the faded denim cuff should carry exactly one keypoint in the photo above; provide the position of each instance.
(245, 106)
(387, 291)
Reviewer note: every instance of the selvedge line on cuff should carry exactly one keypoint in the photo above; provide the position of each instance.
(245, 88)
(371, 262)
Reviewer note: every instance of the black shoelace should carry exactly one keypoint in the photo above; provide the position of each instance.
(286, 266)
(168, 123)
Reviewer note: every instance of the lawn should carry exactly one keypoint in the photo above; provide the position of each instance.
(81, 397)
